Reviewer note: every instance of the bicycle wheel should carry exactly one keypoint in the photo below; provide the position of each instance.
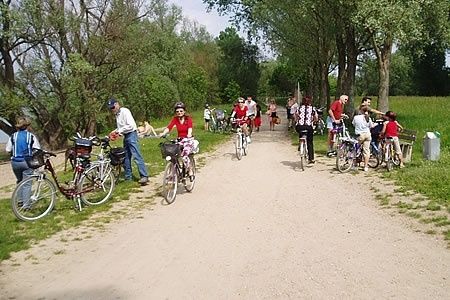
(396, 159)
(344, 158)
(33, 198)
(170, 183)
(302, 155)
(374, 160)
(238, 146)
(189, 181)
(96, 185)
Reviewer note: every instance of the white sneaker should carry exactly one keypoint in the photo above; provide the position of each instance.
(366, 169)
(249, 140)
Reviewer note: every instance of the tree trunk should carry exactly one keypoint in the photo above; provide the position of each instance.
(384, 59)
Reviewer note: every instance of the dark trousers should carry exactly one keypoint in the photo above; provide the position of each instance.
(309, 139)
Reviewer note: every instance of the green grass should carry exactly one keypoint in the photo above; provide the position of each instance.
(16, 235)
(431, 178)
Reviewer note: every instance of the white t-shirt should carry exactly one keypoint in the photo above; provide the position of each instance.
(251, 107)
(361, 124)
(207, 114)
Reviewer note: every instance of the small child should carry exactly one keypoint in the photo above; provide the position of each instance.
(207, 116)
(390, 129)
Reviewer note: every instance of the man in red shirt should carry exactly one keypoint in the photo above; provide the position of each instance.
(335, 115)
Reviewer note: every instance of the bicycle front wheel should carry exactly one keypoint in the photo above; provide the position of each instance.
(189, 181)
(33, 198)
(170, 183)
(344, 158)
(238, 146)
(96, 185)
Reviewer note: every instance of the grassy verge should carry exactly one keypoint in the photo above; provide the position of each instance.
(16, 235)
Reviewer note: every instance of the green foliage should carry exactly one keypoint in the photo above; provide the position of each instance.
(232, 91)
(238, 63)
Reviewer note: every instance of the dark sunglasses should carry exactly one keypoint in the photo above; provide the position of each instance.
(179, 111)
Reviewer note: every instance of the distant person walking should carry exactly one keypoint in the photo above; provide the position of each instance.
(126, 127)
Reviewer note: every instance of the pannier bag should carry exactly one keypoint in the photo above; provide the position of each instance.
(83, 146)
(36, 160)
(169, 149)
(117, 156)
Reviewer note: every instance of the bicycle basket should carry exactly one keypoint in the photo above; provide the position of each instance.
(83, 146)
(36, 160)
(169, 149)
(117, 156)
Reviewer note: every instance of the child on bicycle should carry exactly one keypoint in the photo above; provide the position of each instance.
(390, 130)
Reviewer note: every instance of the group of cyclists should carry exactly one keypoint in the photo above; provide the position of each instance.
(367, 131)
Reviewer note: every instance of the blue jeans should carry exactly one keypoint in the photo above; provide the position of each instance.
(22, 172)
(131, 145)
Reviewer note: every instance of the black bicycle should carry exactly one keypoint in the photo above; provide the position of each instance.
(177, 171)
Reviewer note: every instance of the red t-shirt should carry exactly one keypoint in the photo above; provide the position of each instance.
(337, 108)
(182, 129)
(240, 113)
(391, 129)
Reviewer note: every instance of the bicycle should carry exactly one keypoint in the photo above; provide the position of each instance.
(34, 197)
(350, 155)
(390, 156)
(176, 170)
(303, 149)
(240, 142)
(339, 132)
(115, 156)
(212, 126)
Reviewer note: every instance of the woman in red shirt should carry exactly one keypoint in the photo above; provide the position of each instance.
(184, 125)
(239, 116)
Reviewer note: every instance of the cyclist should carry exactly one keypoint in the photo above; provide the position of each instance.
(305, 116)
(240, 115)
(184, 126)
(390, 130)
(251, 110)
(363, 123)
(334, 120)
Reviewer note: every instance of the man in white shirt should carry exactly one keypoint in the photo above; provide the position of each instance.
(362, 124)
(126, 127)
(251, 110)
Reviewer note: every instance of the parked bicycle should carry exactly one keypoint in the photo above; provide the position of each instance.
(35, 197)
(110, 158)
(350, 155)
(176, 171)
(303, 149)
(240, 141)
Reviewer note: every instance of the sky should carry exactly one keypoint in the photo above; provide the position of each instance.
(196, 10)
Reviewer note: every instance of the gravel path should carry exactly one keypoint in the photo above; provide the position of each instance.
(258, 228)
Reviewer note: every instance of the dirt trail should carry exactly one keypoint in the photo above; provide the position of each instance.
(255, 228)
